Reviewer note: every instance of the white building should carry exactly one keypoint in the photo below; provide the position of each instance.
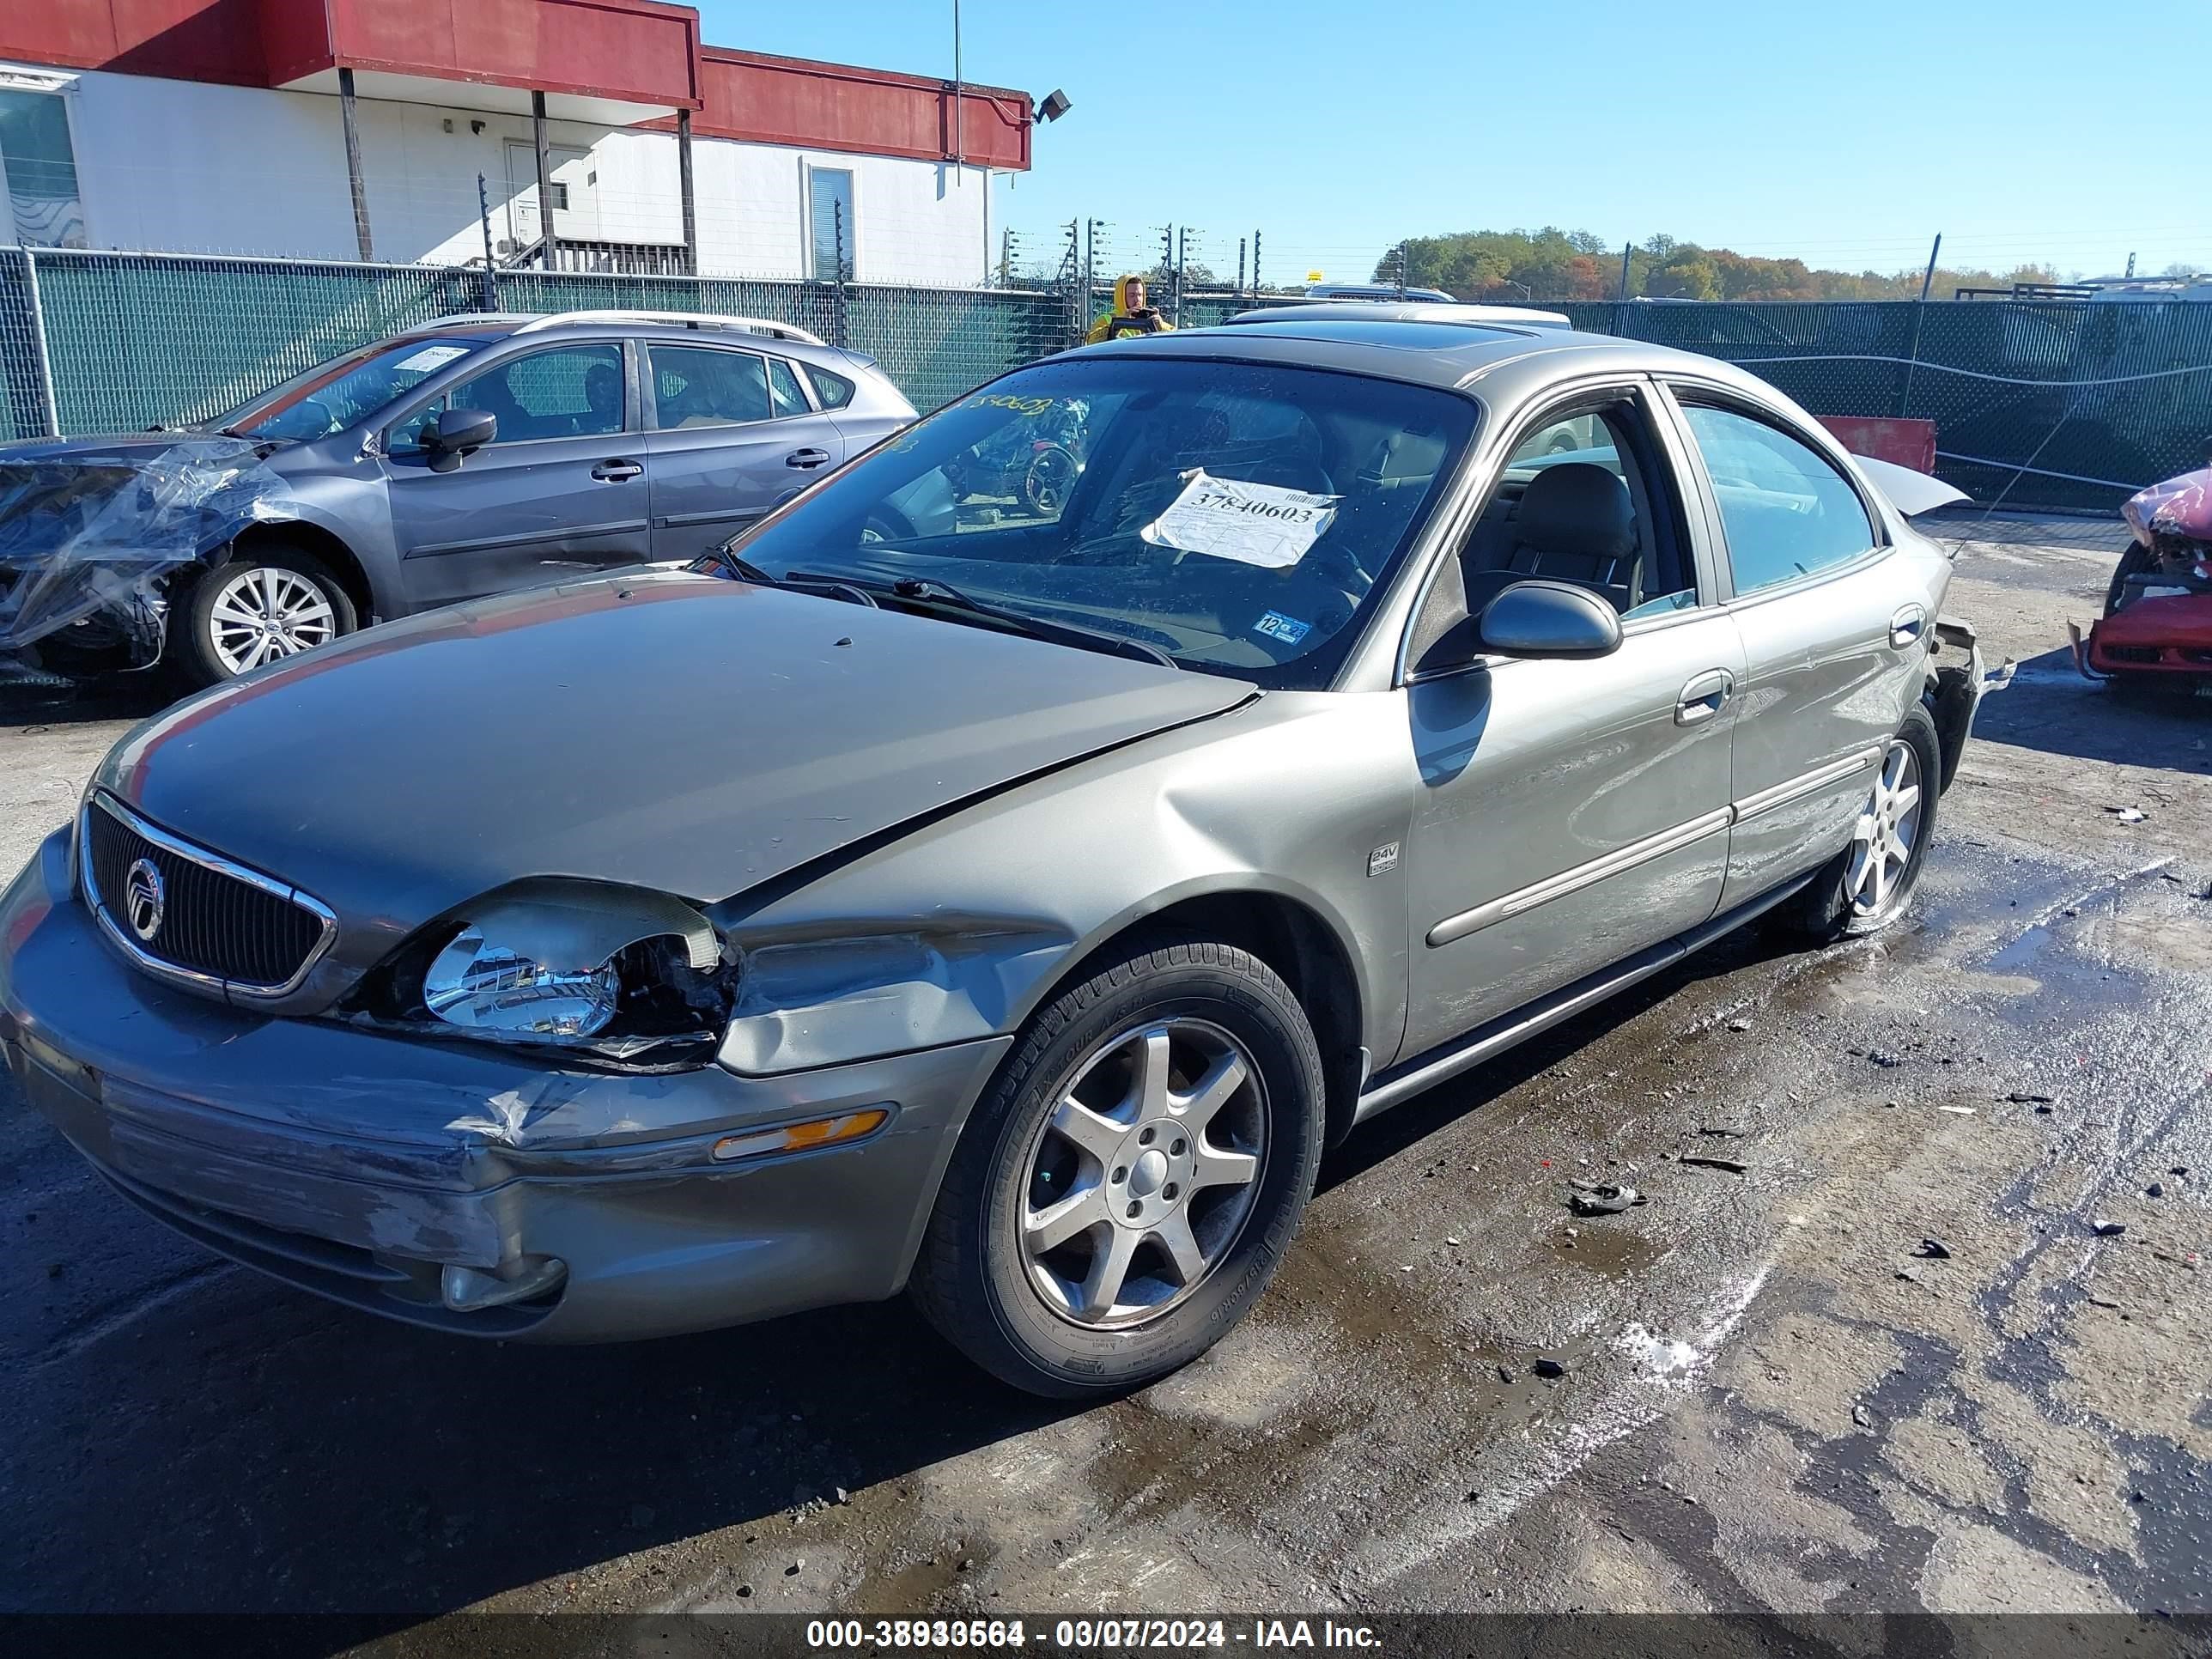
(223, 126)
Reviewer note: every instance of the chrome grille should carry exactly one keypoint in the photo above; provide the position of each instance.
(213, 923)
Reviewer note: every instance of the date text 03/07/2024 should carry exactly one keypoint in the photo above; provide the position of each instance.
(1118, 1635)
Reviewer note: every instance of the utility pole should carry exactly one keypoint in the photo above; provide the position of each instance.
(1240, 267)
(1919, 311)
(491, 265)
(1182, 253)
(1256, 264)
(1627, 249)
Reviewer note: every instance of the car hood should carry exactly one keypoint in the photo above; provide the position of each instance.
(679, 733)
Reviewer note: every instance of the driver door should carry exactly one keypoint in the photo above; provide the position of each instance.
(1570, 813)
(560, 490)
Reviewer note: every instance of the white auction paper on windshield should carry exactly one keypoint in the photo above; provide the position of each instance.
(1252, 522)
(429, 357)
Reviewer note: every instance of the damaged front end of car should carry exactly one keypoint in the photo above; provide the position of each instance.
(92, 535)
(590, 972)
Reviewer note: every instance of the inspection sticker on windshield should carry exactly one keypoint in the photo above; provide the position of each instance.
(431, 357)
(1251, 523)
(1276, 626)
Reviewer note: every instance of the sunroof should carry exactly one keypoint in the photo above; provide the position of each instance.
(1382, 331)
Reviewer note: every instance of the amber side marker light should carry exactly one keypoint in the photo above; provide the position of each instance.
(801, 1137)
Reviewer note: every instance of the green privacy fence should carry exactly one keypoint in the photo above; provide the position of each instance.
(2065, 404)
(2061, 403)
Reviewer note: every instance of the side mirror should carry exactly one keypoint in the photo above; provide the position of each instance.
(1549, 619)
(458, 431)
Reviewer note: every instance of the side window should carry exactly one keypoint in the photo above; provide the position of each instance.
(783, 393)
(1786, 512)
(834, 389)
(1586, 499)
(571, 392)
(701, 386)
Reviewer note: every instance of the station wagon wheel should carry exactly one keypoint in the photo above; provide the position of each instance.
(1144, 1174)
(1050, 476)
(255, 610)
(1128, 1181)
(1871, 884)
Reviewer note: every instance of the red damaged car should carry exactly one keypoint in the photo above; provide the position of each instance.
(2157, 626)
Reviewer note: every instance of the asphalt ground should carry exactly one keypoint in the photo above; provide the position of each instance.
(1769, 1400)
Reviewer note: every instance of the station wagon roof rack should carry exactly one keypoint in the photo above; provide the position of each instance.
(677, 319)
(530, 323)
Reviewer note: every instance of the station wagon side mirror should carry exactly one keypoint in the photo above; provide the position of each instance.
(1549, 619)
(456, 431)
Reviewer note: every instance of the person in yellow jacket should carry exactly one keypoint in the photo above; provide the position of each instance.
(1131, 314)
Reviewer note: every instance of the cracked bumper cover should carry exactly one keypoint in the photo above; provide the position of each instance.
(360, 1165)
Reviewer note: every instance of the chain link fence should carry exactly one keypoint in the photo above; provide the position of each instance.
(2068, 404)
(2055, 404)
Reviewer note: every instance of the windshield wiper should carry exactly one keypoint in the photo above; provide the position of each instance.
(929, 590)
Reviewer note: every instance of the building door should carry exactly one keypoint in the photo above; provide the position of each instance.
(576, 194)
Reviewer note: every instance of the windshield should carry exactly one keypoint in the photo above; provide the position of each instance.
(333, 395)
(1238, 518)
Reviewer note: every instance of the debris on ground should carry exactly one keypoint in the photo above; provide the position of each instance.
(1861, 1416)
(1504, 1373)
(1549, 1368)
(2156, 1189)
(2020, 1097)
(1732, 1131)
(1912, 1273)
(1879, 1057)
(1739, 1026)
(1960, 1111)
(1934, 1250)
(2128, 814)
(1452, 1239)
(2109, 1229)
(1729, 1164)
(2096, 1301)
(1602, 1197)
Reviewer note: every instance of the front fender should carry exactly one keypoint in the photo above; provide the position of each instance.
(963, 928)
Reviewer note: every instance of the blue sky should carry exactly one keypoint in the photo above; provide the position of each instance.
(1848, 135)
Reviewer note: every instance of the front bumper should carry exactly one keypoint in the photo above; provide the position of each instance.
(361, 1165)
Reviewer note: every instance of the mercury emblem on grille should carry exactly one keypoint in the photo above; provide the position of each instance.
(143, 898)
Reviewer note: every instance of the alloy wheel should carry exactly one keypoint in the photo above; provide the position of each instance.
(1142, 1180)
(264, 612)
(1887, 831)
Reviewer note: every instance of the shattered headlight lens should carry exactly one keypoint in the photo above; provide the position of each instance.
(486, 987)
(615, 974)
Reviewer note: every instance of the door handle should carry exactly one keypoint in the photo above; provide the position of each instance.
(1906, 624)
(1704, 697)
(618, 471)
(807, 459)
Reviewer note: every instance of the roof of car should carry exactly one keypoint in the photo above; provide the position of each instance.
(1506, 359)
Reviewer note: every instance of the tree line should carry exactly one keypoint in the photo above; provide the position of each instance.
(1522, 266)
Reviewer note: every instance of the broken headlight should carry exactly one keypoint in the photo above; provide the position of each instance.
(485, 987)
(615, 972)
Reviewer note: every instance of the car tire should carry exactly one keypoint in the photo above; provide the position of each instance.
(2134, 559)
(1841, 902)
(308, 603)
(1121, 1098)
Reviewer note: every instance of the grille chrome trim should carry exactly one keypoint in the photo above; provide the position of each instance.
(118, 931)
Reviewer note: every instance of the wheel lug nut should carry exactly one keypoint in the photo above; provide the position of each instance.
(1176, 1150)
(1169, 1191)
(1135, 1210)
(1120, 1175)
(1145, 1138)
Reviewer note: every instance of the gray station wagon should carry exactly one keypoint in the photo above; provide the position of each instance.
(480, 453)
(1015, 908)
